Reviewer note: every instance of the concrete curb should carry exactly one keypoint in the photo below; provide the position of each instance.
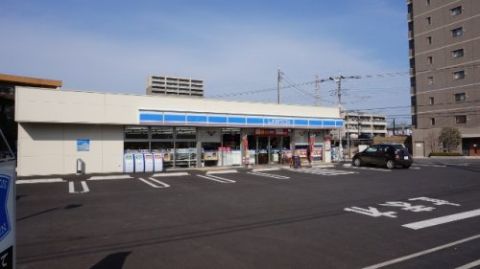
(451, 157)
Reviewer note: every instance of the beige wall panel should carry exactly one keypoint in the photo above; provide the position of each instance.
(112, 148)
(92, 158)
(46, 149)
(43, 105)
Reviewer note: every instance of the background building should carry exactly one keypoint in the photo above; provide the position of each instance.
(364, 125)
(399, 129)
(174, 86)
(8, 127)
(444, 42)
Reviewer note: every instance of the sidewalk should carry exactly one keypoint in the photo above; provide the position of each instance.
(450, 157)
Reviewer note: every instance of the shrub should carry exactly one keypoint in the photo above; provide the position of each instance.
(444, 154)
(450, 137)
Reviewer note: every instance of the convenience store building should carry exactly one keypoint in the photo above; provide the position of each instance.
(56, 128)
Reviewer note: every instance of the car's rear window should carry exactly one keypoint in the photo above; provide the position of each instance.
(398, 146)
(401, 147)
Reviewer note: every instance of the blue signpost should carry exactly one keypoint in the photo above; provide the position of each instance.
(7, 215)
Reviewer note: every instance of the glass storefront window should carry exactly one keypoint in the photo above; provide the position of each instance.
(166, 149)
(186, 133)
(231, 138)
(185, 154)
(286, 143)
(136, 132)
(162, 146)
(210, 153)
(162, 132)
(136, 146)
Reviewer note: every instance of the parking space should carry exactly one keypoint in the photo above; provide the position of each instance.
(335, 218)
(178, 180)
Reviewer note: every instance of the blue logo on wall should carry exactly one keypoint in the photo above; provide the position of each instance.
(83, 144)
(4, 223)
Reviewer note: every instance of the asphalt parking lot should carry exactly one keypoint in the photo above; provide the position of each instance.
(424, 217)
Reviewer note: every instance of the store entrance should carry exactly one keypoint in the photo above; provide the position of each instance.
(262, 150)
(271, 145)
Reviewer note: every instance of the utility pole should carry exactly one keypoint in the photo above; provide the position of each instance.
(338, 91)
(394, 127)
(338, 80)
(358, 125)
(279, 79)
(317, 90)
(339, 96)
(348, 134)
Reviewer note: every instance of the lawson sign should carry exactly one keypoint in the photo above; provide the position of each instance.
(152, 117)
(7, 215)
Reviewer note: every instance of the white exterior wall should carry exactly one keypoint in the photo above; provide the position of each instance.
(45, 149)
(54, 106)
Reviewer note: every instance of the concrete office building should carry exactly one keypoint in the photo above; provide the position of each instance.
(163, 85)
(55, 128)
(444, 42)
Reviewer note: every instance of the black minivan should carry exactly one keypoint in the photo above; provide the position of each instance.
(389, 155)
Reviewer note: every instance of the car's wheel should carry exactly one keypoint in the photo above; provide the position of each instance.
(357, 162)
(390, 164)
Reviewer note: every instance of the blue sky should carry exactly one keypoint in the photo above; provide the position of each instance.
(233, 46)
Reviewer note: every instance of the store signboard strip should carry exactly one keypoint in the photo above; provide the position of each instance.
(212, 119)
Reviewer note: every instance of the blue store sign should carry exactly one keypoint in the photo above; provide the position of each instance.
(4, 221)
(152, 117)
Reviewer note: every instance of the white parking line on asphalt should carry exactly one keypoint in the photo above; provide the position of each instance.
(268, 175)
(217, 179)
(109, 177)
(43, 180)
(442, 220)
(421, 253)
(85, 187)
(161, 185)
(265, 169)
(231, 171)
(71, 187)
(469, 265)
(321, 171)
(174, 174)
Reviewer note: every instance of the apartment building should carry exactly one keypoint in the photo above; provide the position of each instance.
(163, 85)
(444, 42)
(363, 125)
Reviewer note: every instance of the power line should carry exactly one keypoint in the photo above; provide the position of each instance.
(287, 79)
(312, 82)
(378, 108)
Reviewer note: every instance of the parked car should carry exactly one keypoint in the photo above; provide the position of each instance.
(389, 155)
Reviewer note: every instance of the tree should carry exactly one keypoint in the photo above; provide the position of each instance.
(450, 137)
(432, 138)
